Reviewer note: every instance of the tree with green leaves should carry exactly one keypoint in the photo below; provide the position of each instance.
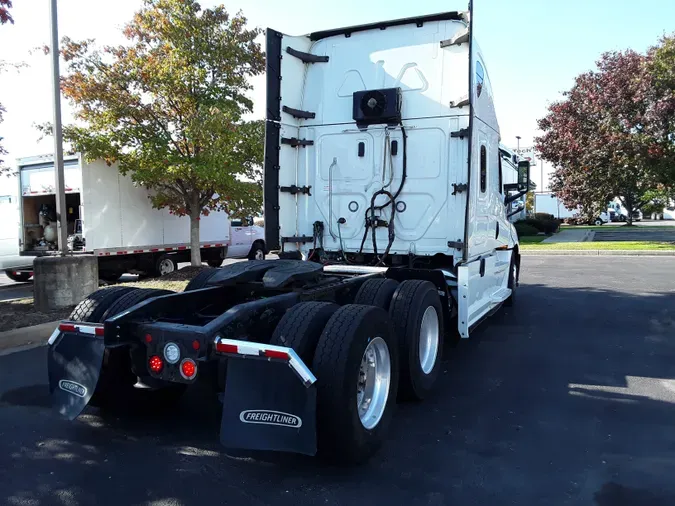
(169, 108)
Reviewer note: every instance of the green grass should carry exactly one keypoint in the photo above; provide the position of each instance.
(603, 245)
(623, 228)
(532, 239)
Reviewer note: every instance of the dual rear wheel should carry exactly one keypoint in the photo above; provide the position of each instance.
(365, 355)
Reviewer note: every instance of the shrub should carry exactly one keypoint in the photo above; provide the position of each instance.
(524, 229)
(547, 226)
(544, 216)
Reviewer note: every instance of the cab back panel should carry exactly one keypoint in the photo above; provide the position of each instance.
(409, 57)
(343, 175)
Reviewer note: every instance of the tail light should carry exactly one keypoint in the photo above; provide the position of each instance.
(188, 368)
(156, 364)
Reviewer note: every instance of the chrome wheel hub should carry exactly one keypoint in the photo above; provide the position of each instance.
(429, 339)
(372, 388)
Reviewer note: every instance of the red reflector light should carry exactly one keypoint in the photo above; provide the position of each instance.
(276, 354)
(67, 327)
(156, 364)
(195, 345)
(188, 368)
(226, 348)
(99, 331)
(148, 338)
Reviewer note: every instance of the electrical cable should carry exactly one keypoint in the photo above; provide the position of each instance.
(393, 198)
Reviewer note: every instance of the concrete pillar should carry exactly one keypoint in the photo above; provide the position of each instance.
(63, 281)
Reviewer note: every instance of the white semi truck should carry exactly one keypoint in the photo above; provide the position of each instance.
(385, 199)
(108, 216)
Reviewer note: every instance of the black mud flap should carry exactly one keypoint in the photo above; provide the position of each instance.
(267, 407)
(74, 364)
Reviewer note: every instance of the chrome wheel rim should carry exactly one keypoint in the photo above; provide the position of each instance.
(166, 266)
(429, 338)
(372, 387)
(259, 255)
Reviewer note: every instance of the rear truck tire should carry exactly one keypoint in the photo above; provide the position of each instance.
(257, 251)
(200, 280)
(598, 222)
(300, 328)
(215, 262)
(417, 318)
(130, 299)
(513, 282)
(165, 264)
(356, 365)
(96, 304)
(19, 277)
(376, 292)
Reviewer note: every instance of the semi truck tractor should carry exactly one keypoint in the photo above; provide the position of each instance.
(384, 198)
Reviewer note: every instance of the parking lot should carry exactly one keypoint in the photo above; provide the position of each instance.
(567, 398)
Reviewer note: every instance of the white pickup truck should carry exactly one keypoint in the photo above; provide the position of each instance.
(247, 240)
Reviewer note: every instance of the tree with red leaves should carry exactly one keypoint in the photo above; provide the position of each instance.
(609, 136)
(5, 16)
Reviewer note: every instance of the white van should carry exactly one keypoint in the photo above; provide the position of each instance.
(17, 267)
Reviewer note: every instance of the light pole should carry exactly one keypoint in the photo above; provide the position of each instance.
(61, 211)
(518, 137)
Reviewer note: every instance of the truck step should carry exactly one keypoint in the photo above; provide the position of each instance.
(500, 295)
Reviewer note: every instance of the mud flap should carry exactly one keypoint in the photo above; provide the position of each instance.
(74, 365)
(267, 407)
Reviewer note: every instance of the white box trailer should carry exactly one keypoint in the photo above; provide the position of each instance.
(550, 204)
(110, 217)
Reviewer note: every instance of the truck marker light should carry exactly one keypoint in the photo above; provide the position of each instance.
(99, 331)
(276, 354)
(67, 327)
(195, 345)
(188, 368)
(148, 338)
(171, 353)
(156, 364)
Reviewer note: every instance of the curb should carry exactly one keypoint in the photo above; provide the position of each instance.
(596, 252)
(25, 338)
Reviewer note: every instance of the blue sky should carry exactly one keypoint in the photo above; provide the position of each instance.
(533, 48)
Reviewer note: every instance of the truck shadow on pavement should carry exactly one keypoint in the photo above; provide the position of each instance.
(566, 398)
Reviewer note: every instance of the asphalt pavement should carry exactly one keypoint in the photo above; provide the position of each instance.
(12, 290)
(567, 398)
